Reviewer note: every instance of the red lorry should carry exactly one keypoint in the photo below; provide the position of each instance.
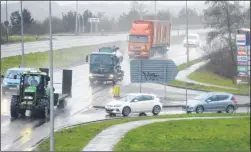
(146, 37)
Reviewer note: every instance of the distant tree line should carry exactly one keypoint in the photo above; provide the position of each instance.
(67, 24)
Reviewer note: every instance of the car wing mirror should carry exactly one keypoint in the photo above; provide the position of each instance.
(2, 76)
(208, 100)
(135, 100)
(48, 78)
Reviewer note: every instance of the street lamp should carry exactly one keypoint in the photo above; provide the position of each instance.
(51, 86)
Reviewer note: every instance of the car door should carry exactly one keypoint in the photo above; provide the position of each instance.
(148, 103)
(137, 104)
(211, 103)
(222, 102)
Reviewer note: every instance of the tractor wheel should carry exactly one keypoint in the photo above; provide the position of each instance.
(14, 107)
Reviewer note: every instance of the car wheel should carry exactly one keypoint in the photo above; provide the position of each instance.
(156, 110)
(126, 111)
(200, 109)
(112, 114)
(230, 109)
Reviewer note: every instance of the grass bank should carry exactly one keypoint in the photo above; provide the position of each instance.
(189, 135)
(183, 66)
(177, 83)
(76, 138)
(17, 39)
(62, 57)
(204, 76)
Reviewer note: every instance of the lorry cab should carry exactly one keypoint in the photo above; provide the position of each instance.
(103, 66)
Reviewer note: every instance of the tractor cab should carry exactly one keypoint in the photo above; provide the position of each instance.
(33, 85)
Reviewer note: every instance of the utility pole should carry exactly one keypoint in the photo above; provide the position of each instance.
(187, 35)
(22, 32)
(76, 30)
(51, 86)
(83, 24)
(79, 29)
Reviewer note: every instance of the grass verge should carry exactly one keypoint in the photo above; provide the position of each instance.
(62, 57)
(189, 135)
(184, 65)
(204, 76)
(17, 39)
(177, 83)
(76, 138)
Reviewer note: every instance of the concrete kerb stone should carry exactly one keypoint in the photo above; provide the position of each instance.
(99, 142)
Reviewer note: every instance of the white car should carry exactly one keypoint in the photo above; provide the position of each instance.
(193, 40)
(135, 103)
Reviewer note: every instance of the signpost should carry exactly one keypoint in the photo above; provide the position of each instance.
(153, 71)
(242, 56)
(95, 21)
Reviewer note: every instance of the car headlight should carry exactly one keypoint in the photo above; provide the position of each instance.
(111, 76)
(28, 97)
(90, 75)
(117, 105)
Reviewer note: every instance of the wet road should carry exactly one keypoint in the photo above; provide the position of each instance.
(60, 42)
(22, 134)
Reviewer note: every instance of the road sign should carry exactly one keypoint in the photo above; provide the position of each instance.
(93, 20)
(153, 71)
(242, 68)
(241, 39)
(242, 58)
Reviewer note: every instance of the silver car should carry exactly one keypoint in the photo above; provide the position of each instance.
(212, 102)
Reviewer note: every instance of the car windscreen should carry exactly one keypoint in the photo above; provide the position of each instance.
(101, 59)
(138, 38)
(11, 73)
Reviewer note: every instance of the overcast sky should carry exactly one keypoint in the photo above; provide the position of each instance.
(158, 2)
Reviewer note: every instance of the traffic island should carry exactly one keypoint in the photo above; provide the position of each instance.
(75, 138)
(189, 135)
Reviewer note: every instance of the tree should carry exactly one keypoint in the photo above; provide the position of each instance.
(27, 20)
(225, 18)
(56, 25)
(15, 22)
(69, 21)
(139, 8)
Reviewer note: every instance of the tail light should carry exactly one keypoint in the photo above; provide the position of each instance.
(234, 100)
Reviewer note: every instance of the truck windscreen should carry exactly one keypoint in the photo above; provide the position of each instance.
(138, 38)
(101, 59)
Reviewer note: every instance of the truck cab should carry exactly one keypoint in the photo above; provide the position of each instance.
(104, 67)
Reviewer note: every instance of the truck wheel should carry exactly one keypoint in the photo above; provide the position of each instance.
(14, 107)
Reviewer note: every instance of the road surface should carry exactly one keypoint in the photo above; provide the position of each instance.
(60, 42)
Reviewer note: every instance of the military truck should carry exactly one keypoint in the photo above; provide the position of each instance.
(104, 67)
(34, 93)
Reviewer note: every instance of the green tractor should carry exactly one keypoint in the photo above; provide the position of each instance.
(34, 94)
